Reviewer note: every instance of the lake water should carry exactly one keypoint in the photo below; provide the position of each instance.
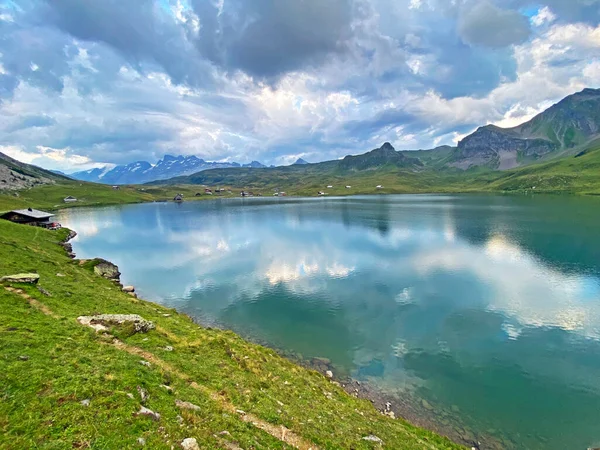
(486, 307)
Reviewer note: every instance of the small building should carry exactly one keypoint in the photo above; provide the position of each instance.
(178, 198)
(116, 188)
(29, 216)
(321, 193)
(330, 187)
(69, 199)
(348, 187)
(379, 186)
(208, 191)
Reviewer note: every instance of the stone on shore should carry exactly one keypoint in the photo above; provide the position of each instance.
(27, 278)
(108, 270)
(102, 321)
(128, 289)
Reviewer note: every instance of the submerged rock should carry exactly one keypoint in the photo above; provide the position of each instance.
(27, 278)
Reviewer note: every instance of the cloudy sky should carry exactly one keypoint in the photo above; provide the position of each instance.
(84, 83)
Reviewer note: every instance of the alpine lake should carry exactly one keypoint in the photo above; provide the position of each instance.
(477, 316)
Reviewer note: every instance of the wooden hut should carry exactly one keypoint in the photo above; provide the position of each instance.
(29, 216)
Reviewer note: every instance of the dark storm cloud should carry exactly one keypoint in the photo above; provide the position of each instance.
(32, 54)
(32, 122)
(487, 25)
(266, 38)
(136, 30)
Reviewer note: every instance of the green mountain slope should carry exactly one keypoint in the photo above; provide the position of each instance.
(18, 175)
(573, 122)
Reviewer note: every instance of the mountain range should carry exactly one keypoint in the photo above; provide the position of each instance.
(140, 172)
(570, 128)
(565, 129)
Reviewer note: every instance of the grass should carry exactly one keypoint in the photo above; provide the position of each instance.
(50, 197)
(569, 174)
(49, 363)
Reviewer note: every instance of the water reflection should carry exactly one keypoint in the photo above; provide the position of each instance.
(487, 304)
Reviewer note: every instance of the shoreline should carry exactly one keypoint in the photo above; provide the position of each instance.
(418, 412)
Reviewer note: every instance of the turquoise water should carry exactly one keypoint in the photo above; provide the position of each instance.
(487, 307)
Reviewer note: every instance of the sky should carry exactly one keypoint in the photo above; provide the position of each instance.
(86, 83)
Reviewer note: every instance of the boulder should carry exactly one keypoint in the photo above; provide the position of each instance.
(190, 444)
(128, 289)
(101, 321)
(108, 270)
(372, 438)
(28, 278)
(148, 412)
(187, 405)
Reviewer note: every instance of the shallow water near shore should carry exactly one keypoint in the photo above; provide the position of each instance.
(481, 313)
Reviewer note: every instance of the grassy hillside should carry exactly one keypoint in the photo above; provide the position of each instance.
(91, 194)
(573, 174)
(570, 174)
(62, 385)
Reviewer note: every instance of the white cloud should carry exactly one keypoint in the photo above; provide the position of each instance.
(544, 16)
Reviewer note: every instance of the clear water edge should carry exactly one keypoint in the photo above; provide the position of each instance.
(479, 308)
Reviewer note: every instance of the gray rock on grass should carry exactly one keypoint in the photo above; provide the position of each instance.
(26, 278)
(190, 444)
(102, 321)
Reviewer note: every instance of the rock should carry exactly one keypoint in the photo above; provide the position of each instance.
(23, 358)
(455, 409)
(190, 444)
(44, 291)
(143, 394)
(141, 441)
(321, 361)
(133, 294)
(140, 324)
(372, 438)
(148, 412)
(179, 420)
(168, 388)
(329, 374)
(166, 315)
(187, 405)
(168, 348)
(85, 402)
(128, 289)
(426, 405)
(27, 278)
(70, 236)
(145, 363)
(130, 395)
(60, 275)
(108, 270)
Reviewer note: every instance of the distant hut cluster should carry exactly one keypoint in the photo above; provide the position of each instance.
(33, 217)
